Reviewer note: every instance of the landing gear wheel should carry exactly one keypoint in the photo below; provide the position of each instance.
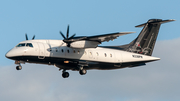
(65, 74)
(82, 72)
(18, 67)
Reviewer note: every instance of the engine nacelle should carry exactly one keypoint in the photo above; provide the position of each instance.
(84, 44)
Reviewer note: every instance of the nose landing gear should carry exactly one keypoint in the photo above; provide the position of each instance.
(18, 67)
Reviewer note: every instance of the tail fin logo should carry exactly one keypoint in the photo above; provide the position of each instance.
(137, 44)
(144, 43)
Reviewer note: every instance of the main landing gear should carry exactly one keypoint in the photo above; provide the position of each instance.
(66, 74)
(82, 72)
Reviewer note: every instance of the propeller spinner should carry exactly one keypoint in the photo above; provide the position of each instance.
(67, 39)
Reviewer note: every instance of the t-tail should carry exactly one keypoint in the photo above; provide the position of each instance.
(145, 42)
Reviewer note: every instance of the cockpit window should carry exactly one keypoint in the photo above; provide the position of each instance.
(25, 44)
(29, 45)
(21, 45)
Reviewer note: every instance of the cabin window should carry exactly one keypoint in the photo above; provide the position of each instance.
(97, 53)
(68, 50)
(74, 51)
(110, 55)
(21, 45)
(62, 50)
(29, 45)
(85, 52)
(105, 54)
(56, 50)
(78, 51)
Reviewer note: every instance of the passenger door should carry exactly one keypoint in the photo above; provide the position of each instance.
(41, 51)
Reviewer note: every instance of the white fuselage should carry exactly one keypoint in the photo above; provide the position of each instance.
(58, 49)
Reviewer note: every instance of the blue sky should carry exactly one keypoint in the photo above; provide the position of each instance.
(45, 18)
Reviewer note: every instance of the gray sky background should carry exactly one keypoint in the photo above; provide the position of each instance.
(157, 81)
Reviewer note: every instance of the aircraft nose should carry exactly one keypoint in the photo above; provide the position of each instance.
(9, 54)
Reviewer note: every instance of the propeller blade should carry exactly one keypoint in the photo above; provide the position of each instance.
(67, 32)
(26, 36)
(33, 37)
(62, 35)
(68, 40)
(72, 36)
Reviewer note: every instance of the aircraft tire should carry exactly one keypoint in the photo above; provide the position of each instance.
(18, 67)
(65, 75)
(82, 72)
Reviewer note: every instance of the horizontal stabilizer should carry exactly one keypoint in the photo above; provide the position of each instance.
(152, 21)
(141, 25)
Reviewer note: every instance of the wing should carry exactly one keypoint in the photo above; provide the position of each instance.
(106, 37)
(92, 41)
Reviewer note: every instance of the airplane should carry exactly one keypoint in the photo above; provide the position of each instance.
(83, 53)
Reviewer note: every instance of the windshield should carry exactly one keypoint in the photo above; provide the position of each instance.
(29, 45)
(21, 45)
(24, 44)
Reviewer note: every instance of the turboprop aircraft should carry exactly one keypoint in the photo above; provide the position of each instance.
(83, 53)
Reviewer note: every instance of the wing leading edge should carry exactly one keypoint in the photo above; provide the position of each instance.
(89, 41)
(106, 37)
(92, 41)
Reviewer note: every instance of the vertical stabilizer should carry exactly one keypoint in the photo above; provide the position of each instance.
(144, 43)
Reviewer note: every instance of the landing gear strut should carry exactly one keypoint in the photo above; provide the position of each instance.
(19, 67)
(65, 74)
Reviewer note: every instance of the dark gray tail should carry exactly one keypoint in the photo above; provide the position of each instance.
(144, 43)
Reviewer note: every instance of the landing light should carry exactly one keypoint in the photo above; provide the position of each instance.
(66, 61)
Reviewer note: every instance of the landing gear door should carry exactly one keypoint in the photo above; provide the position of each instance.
(41, 51)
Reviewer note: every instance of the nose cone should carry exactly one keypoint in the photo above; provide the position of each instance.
(15, 53)
(9, 54)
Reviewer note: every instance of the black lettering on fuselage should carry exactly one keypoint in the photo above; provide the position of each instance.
(137, 56)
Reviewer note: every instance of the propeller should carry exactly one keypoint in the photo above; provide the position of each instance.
(27, 37)
(67, 39)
